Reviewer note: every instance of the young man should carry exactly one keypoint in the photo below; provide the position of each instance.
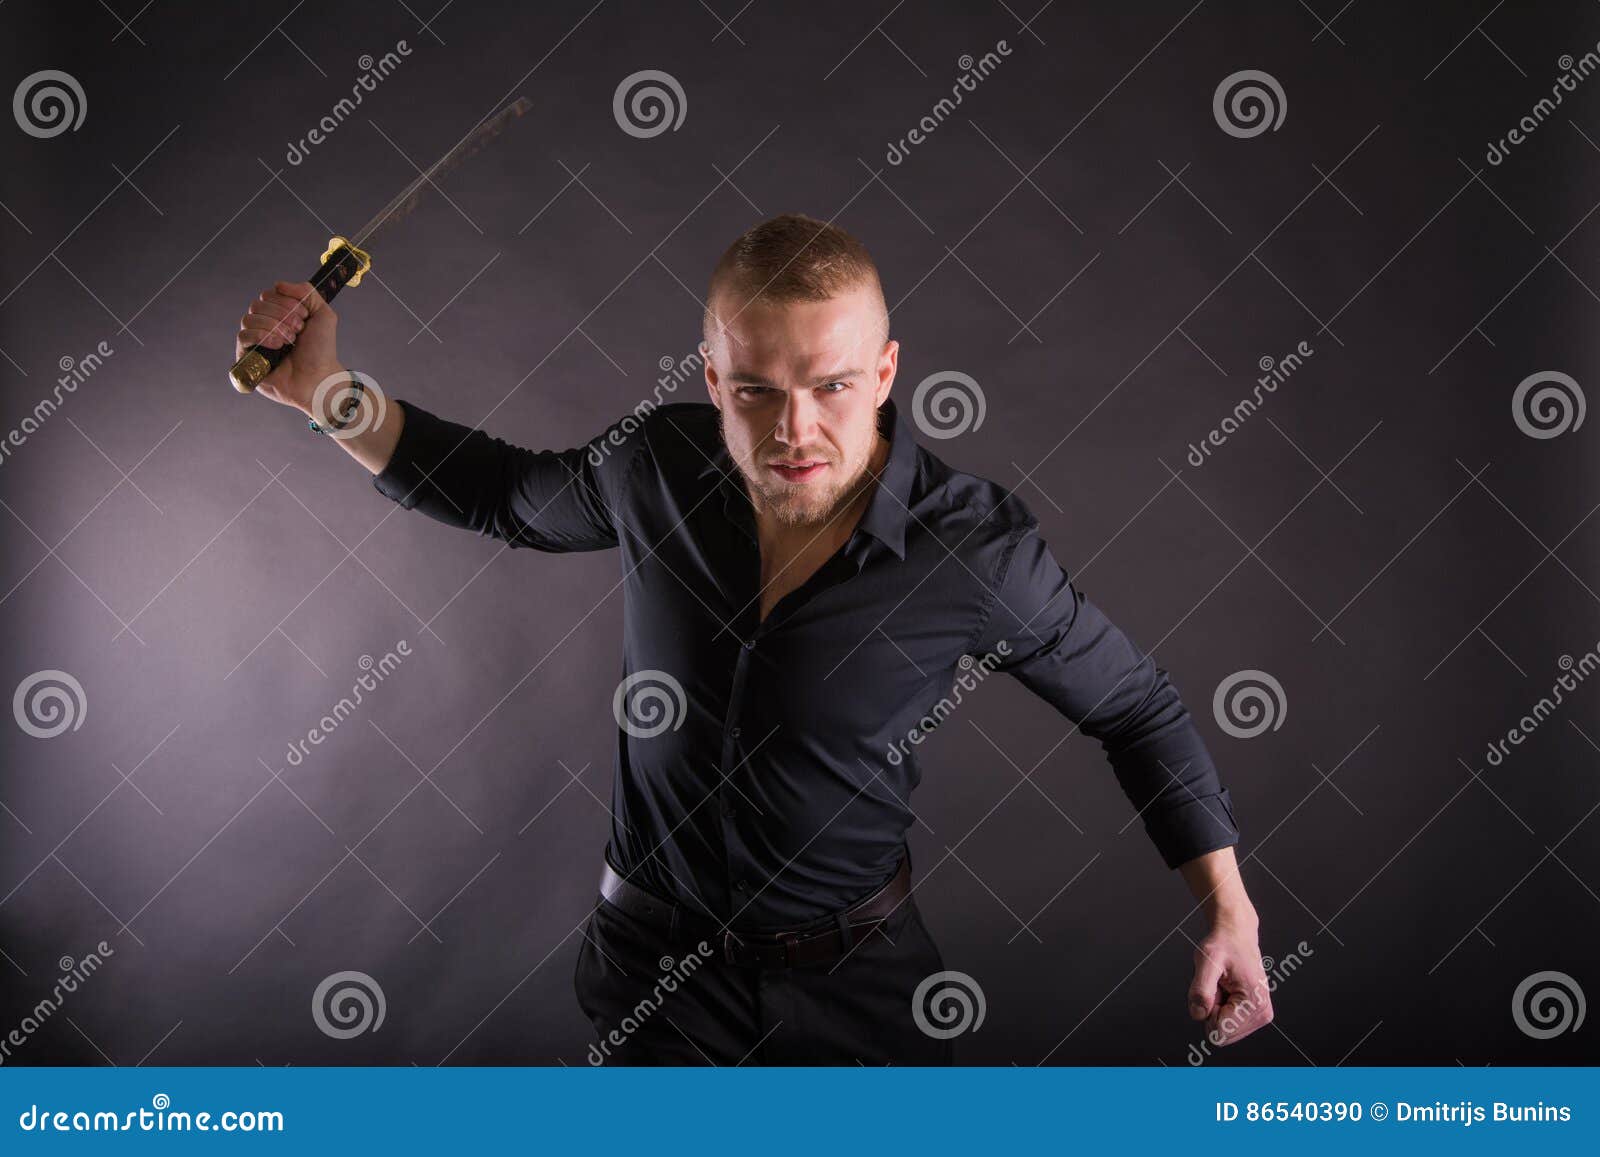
(803, 584)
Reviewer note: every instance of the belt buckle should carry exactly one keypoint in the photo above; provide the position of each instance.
(732, 942)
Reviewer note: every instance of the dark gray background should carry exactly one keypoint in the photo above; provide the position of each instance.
(253, 564)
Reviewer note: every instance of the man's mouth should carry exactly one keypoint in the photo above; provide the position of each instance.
(798, 471)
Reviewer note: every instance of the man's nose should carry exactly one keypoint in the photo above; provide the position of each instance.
(798, 422)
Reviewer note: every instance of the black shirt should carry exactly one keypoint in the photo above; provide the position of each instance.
(764, 769)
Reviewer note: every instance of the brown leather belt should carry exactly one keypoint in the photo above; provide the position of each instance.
(765, 949)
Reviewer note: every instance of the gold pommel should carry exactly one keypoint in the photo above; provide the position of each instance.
(248, 371)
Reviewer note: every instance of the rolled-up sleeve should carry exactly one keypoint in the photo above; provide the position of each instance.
(1044, 632)
(550, 500)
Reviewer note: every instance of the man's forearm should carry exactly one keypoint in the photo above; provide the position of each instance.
(1215, 882)
(374, 446)
(1230, 991)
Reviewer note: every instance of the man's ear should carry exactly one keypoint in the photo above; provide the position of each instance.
(888, 366)
(711, 373)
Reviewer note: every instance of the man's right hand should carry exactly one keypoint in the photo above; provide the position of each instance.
(292, 311)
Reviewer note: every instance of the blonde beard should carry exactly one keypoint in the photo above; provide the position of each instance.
(787, 506)
(790, 506)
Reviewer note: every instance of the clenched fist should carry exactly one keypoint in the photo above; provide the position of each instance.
(292, 311)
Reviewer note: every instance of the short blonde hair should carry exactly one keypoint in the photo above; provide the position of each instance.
(791, 257)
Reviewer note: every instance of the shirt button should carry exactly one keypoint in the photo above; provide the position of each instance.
(729, 811)
(749, 644)
(735, 732)
(743, 885)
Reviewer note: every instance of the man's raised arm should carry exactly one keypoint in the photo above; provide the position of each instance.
(546, 499)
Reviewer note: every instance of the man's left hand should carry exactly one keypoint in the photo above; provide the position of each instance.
(1230, 991)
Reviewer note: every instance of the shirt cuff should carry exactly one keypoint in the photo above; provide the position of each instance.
(414, 455)
(1196, 826)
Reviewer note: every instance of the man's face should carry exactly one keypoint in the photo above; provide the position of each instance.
(798, 386)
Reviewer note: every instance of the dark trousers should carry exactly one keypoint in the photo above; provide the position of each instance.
(659, 1000)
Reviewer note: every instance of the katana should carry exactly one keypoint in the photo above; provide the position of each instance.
(347, 259)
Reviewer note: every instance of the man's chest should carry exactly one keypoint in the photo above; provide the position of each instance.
(824, 636)
(785, 570)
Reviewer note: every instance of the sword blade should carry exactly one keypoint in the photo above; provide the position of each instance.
(409, 197)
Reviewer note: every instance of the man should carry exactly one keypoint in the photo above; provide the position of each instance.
(803, 585)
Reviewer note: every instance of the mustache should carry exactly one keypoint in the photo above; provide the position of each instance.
(722, 432)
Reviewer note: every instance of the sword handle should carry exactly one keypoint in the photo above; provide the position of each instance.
(342, 264)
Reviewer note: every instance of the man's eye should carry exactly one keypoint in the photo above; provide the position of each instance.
(751, 391)
(835, 387)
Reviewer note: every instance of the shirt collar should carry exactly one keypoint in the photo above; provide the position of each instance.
(889, 508)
